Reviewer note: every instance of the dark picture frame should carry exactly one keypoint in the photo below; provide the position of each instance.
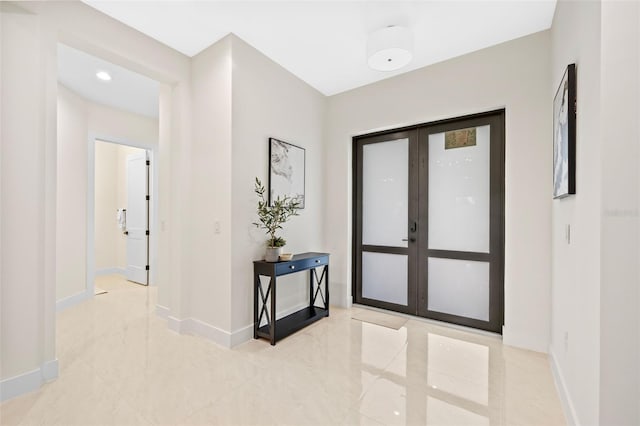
(286, 171)
(564, 135)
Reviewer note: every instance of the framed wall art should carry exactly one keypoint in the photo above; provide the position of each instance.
(286, 171)
(564, 135)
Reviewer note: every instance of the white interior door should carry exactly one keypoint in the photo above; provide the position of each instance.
(137, 218)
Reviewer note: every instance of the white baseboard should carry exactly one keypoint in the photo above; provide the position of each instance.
(162, 312)
(175, 324)
(242, 335)
(199, 328)
(50, 370)
(563, 391)
(70, 301)
(213, 333)
(110, 271)
(208, 331)
(29, 381)
(19, 385)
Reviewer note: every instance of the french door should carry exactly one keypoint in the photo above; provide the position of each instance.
(429, 220)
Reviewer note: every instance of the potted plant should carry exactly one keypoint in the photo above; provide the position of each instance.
(272, 218)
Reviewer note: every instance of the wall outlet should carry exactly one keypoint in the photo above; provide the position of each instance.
(216, 227)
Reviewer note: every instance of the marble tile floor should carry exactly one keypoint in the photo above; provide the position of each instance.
(120, 365)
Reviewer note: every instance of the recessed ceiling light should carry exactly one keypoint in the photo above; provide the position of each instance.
(390, 48)
(103, 75)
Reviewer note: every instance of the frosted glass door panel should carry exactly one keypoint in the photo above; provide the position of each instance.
(459, 287)
(385, 184)
(384, 277)
(459, 194)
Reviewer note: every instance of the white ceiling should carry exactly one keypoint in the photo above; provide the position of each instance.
(324, 42)
(127, 90)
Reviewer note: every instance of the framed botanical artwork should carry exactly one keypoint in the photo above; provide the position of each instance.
(286, 171)
(564, 135)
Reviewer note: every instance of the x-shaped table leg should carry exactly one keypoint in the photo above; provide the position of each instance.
(318, 282)
(264, 310)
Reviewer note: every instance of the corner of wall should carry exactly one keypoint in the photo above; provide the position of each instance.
(29, 381)
(208, 238)
(563, 391)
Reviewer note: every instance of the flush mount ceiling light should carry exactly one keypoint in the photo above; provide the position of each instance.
(103, 75)
(390, 48)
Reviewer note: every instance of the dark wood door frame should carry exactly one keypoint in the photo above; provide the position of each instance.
(495, 257)
(411, 249)
(418, 208)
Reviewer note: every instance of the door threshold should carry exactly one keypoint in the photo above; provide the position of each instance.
(485, 333)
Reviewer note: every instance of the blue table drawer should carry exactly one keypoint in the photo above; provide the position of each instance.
(283, 268)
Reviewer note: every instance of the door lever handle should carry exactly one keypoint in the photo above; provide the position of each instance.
(409, 239)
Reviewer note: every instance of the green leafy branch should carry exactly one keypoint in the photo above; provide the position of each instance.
(273, 217)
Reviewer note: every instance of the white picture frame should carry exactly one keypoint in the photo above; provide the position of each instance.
(286, 171)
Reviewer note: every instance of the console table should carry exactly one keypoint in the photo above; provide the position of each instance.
(275, 330)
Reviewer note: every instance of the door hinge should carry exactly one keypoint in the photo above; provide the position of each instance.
(146, 268)
(148, 163)
(148, 198)
(147, 232)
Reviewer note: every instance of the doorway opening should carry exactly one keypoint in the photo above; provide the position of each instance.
(114, 116)
(122, 211)
(429, 220)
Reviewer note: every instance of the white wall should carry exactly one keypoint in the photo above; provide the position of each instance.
(22, 199)
(268, 101)
(106, 204)
(575, 314)
(29, 156)
(620, 273)
(513, 75)
(240, 99)
(595, 300)
(78, 120)
(71, 244)
(210, 253)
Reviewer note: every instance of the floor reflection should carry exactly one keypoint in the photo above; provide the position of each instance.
(445, 376)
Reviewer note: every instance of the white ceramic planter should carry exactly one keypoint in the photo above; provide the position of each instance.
(272, 254)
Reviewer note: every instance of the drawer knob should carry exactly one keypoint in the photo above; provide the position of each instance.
(292, 267)
(317, 261)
